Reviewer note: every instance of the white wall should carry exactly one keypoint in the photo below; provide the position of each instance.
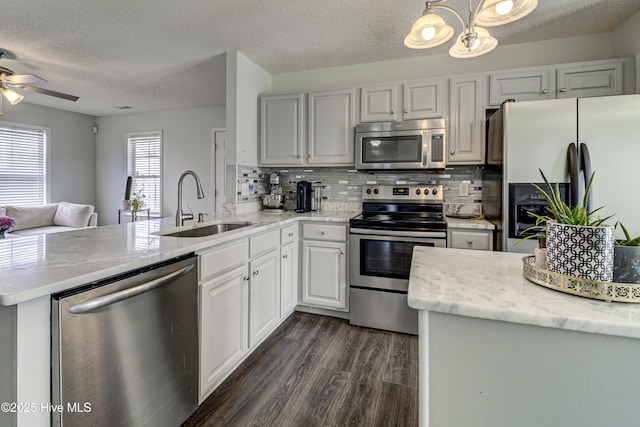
(573, 49)
(72, 150)
(626, 42)
(186, 144)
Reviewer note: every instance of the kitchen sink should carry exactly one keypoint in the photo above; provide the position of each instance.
(208, 230)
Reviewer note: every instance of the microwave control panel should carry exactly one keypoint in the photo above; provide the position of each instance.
(413, 193)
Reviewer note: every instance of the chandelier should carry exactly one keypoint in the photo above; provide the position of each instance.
(430, 30)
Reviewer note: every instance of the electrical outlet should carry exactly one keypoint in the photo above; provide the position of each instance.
(463, 189)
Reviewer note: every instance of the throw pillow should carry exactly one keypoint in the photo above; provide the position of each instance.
(72, 215)
(31, 216)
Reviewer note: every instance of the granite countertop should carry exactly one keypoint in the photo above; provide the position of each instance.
(478, 224)
(490, 285)
(35, 266)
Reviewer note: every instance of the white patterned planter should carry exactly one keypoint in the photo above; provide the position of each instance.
(580, 251)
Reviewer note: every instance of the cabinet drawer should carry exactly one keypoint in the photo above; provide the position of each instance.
(223, 258)
(288, 234)
(324, 232)
(466, 239)
(263, 243)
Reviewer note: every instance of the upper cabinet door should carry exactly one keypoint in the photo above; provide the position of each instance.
(331, 127)
(378, 103)
(525, 85)
(423, 99)
(466, 121)
(282, 130)
(583, 81)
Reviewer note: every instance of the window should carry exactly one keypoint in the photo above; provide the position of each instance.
(23, 171)
(144, 165)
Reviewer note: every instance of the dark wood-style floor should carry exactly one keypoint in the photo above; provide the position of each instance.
(320, 371)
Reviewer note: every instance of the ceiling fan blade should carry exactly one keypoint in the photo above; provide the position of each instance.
(50, 92)
(22, 79)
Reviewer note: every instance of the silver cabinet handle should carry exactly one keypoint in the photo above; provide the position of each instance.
(563, 90)
(545, 91)
(105, 300)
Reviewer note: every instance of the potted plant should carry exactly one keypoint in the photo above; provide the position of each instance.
(626, 258)
(578, 243)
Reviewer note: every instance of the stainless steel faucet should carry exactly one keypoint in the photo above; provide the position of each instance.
(180, 216)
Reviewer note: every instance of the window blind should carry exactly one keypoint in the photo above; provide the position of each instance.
(144, 159)
(23, 178)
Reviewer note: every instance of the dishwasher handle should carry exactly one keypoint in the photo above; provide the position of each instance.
(105, 300)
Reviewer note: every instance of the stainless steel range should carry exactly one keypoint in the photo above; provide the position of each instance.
(381, 241)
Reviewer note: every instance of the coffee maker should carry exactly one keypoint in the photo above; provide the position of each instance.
(303, 196)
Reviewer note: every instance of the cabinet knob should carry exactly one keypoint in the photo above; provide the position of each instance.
(297, 156)
(563, 89)
(285, 256)
(291, 234)
(545, 91)
(308, 156)
(452, 152)
(245, 278)
(256, 272)
(393, 111)
(470, 242)
(322, 232)
(406, 110)
(341, 252)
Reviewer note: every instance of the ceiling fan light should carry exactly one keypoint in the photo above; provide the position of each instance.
(499, 12)
(478, 44)
(428, 31)
(12, 96)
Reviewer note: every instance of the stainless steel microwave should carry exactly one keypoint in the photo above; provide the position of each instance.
(415, 144)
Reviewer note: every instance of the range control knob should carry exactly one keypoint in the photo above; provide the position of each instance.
(426, 191)
(434, 191)
(375, 191)
(368, 191)
(418, 191)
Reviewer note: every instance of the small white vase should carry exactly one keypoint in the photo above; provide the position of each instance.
(541, 258)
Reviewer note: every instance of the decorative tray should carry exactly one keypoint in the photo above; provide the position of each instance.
(607, 291)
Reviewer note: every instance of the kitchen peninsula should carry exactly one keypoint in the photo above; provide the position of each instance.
(498, 350)
(34, 267)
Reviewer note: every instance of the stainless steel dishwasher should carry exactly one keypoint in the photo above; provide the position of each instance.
(125, 349)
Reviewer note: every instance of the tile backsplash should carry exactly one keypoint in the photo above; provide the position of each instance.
(342, 188)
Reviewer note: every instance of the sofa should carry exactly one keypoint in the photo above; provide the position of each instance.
(49, 218)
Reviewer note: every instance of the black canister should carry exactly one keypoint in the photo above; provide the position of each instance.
(303, 196)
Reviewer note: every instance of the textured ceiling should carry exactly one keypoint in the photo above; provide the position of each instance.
(158, 55)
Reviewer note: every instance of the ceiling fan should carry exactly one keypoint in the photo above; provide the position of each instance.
(10, 81)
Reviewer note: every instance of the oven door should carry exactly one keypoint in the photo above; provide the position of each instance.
(381, 259)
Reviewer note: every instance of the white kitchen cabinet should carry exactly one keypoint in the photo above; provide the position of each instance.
(288, 279)
(470, 239)
(412, 100)
(600, 78)
(264, 296)
(522, 85)
(466, 120)
(323, 137)
(282, 130)
(224, 313)
(324, 266)
(423, 99)
(330, 128)
(378, 103)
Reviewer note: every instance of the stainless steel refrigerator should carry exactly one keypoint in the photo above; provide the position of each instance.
(605, 132)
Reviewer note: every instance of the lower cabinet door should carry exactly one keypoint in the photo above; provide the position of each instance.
(324, 277)
(223, 326)
(288, 279)
(264, 296)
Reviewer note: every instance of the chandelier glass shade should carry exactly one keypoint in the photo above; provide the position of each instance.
(11, 95)
(430, 30)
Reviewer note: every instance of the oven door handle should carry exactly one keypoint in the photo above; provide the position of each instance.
(393, 233)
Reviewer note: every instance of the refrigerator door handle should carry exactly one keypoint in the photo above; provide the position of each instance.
(572, 157)
(585, 160)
